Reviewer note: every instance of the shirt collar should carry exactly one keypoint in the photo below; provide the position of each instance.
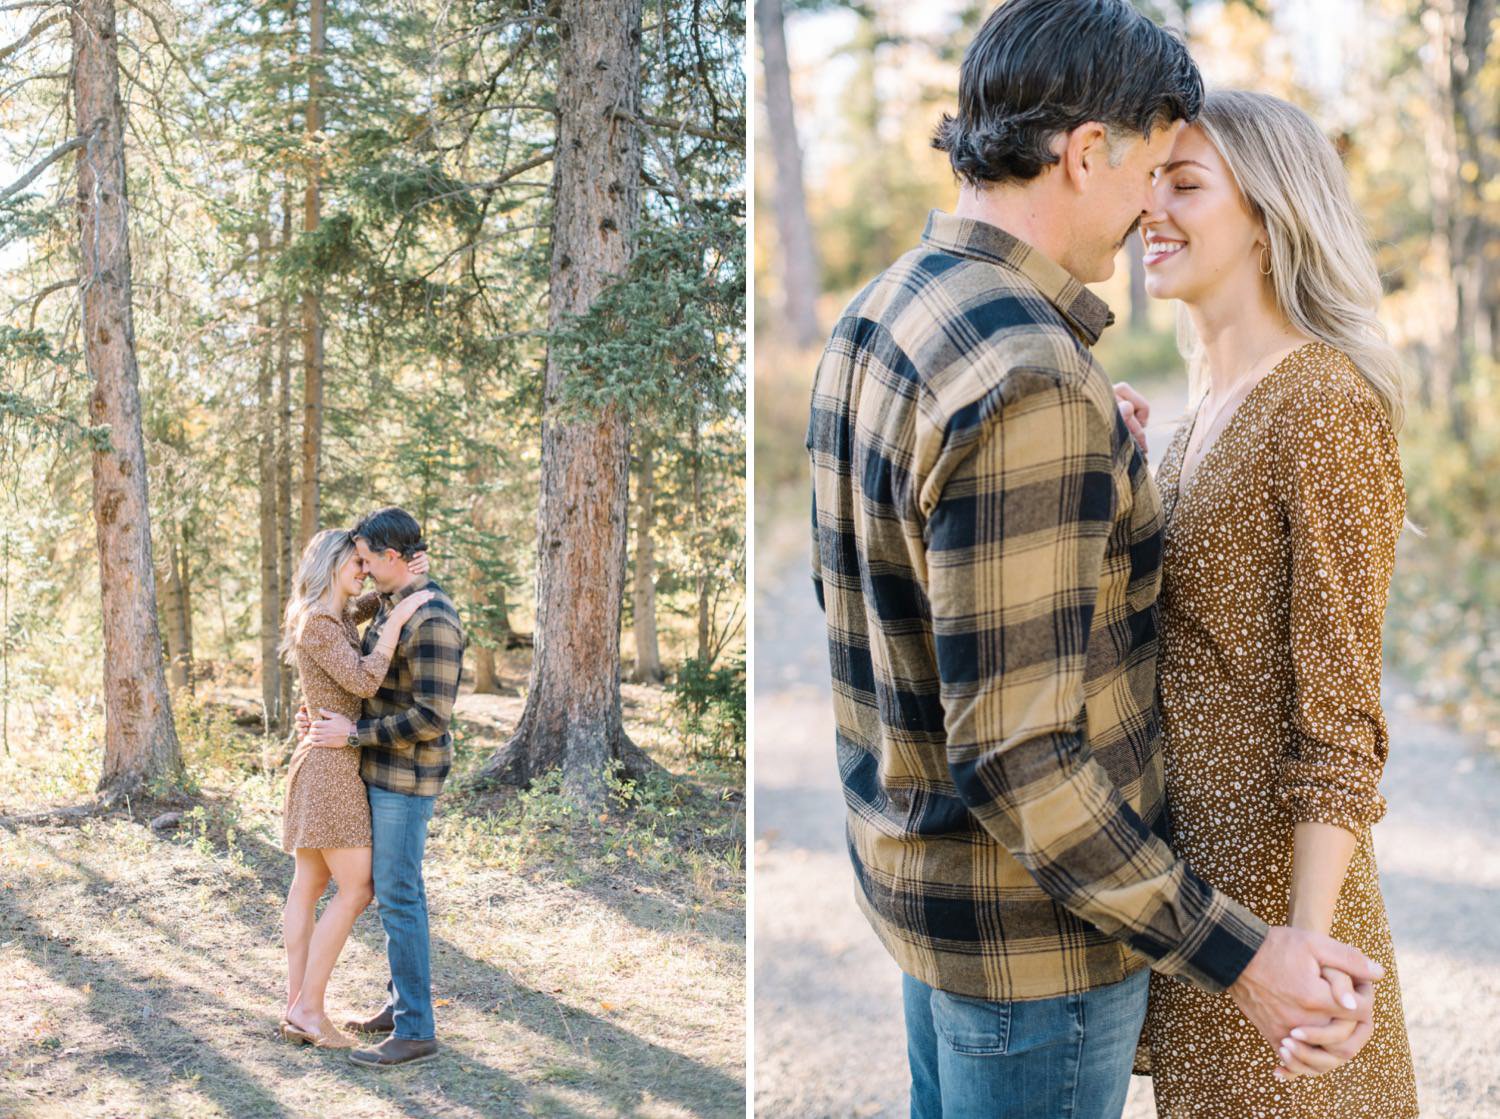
(1084, 311)
(411, 588)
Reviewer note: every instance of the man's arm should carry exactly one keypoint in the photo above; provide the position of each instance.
(1016, 540)
(817, 554)
(434, 647)
(1016, 550)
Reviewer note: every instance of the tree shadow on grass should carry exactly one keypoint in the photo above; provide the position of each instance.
(132, 1004)
(117, 992)
(648, 1067)
(148, 1045)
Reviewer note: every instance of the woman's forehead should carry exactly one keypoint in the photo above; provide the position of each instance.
(1193, 145)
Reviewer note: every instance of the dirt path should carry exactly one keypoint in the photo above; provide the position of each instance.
(828, 1033)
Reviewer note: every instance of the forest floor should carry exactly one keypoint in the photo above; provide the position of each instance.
(829, 1039)
(580, 967)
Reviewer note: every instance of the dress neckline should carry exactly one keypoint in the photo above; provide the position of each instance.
(1181, 492)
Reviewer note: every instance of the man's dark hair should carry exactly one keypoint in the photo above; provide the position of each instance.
(1040, 67)
(391, 527)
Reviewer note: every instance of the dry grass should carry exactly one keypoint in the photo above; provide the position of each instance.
(580, 967)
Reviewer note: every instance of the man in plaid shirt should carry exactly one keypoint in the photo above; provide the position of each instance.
(987, 541)
(407, 751)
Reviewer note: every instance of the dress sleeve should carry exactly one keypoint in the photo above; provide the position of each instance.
(324, 640)
(363, 608)
(1339, 475)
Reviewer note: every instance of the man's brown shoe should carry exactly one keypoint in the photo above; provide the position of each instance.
(395, 1051)
(382, 1023)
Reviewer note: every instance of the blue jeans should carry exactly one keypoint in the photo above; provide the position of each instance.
(399, 826)
(1061, 1058)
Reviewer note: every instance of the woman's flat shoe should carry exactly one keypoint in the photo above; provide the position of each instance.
(290, 1032)
(326, 1036)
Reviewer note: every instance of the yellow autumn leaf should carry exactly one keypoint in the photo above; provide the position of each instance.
(442, 1002)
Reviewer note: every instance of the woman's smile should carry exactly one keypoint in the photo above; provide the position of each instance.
(1160, 248)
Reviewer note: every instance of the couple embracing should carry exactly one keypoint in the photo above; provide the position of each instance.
(373, 752)
(1110, 744)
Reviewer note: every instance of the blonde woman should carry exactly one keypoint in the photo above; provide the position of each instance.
(326, 818)
(1283, 497)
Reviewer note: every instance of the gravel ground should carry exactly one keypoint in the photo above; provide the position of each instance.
(828, 1033)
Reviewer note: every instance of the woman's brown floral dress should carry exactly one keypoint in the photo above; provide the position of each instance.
(1278, 561)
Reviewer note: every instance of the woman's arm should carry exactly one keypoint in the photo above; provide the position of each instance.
(1339, 476)
(1320, 859)
(363, 608)
(324, 640)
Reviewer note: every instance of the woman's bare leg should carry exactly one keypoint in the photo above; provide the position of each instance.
(351, 870)
(309, 881)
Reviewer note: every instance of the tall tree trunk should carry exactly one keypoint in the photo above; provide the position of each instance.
(794, 232)
(312, 311)
(270, 587)
(5, 648)
(286, 559)
(1442, 176)
(140, 740)
(185, 586)
(705, 627)
(572, 714)
(647, 651)
(179, 674)
(1460, 164)
(485, 680)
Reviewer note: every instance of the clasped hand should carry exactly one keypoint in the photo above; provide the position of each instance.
(1311, 997)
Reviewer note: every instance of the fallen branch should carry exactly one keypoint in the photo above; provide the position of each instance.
(68, 815)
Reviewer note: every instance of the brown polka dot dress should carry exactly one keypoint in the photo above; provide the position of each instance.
(1277, 563)
(326, 804)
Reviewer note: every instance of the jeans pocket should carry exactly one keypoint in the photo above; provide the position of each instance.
(968, 1025)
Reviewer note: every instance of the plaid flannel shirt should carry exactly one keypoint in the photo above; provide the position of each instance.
(404, 733)
(987, 544)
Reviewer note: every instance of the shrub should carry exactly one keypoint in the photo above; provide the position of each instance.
(709, 708)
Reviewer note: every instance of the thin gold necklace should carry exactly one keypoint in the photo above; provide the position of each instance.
(1242, 388)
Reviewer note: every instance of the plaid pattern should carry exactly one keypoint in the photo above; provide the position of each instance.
(987, 543)
(407, 747)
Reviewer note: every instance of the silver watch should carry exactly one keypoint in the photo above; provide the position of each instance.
(352, 738)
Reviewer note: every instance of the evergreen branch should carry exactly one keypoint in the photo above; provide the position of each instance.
(36, 29)
(52, 157)
(489, 184)
(36, 300)
(166, 44)
(701, 131)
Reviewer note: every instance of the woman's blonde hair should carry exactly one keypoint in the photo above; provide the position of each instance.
(321, 559)
(1323, 272)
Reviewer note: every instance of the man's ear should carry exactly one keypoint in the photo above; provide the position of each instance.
(1082, 150)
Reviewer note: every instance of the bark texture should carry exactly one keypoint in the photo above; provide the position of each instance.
(140, 740)
(647, 649)
(285, 533)
(270, 545)
(572, 714)
(312, 310)
(799, 262)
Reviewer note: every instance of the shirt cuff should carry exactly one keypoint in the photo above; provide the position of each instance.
(1218, 947)
(365, 728)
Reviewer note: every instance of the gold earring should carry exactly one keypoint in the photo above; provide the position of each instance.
(1265, 260)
